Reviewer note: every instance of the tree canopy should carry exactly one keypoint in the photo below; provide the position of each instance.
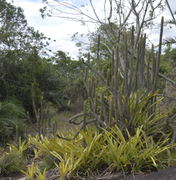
(24, 62)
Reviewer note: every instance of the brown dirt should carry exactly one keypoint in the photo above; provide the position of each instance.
(14, 177)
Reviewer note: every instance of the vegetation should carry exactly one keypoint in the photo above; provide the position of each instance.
(12, 116)
(115, 103)
(11, 163)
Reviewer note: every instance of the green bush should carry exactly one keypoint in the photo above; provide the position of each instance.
(12, 114)
(11, 163)
(111, 149)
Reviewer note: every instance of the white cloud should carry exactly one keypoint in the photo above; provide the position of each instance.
(55, 28)
(61, 29)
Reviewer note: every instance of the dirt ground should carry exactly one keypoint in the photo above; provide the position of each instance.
(14, 177)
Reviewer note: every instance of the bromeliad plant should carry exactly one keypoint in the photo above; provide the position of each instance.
(111, 148)
(11, 163)
(138, 153)
(34, 171)
(30, 171)
(20, 148)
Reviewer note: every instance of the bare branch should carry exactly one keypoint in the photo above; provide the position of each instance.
(172, 14)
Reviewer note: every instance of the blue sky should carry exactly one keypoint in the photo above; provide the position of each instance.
(61, 30)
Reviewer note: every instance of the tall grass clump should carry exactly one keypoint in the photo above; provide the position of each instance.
(12, 115)
(110, 148)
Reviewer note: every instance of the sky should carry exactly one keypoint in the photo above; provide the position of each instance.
(62, 30)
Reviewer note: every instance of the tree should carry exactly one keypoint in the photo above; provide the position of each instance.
(23, 58)
(168, 60)
(105, 49)
(140, 14)
(68, 70)
(36, 71)
(17, 39)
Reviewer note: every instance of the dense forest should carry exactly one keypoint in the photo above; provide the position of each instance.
(120, 94)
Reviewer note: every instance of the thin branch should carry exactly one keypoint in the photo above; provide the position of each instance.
(96, 72)
(166, 96)
(171, 12)
(73, 118)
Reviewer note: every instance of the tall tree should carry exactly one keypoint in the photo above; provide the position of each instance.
(17, 39)
(69, 73)
(21, 64)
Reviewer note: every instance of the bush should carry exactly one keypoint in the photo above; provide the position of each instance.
(11, 163)
(109, 149)
(12, 114)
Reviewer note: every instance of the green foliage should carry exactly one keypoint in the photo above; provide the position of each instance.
(20, 148)
(132, 153)
(14, 161)
(15, 34)
(41, 176)
(48, 162)
(32, 70)
(20, 61)
(64, 167)
(68, 71)
(30, 171)
(11, 163)
(34, 171)
(164, 156)
(11, 114)
(153, 124)
(168, 60)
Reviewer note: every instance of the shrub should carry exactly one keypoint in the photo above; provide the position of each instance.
(11, 163)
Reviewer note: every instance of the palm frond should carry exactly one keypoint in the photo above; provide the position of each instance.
(12, 114)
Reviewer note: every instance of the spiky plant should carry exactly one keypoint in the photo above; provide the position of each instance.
(11, 163)
(12, 114)
(127, 96)
(111, 148)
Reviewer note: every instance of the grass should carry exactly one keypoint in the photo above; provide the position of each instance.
(62, 120)
(11, 163)
(173, 158)
(164, 156)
